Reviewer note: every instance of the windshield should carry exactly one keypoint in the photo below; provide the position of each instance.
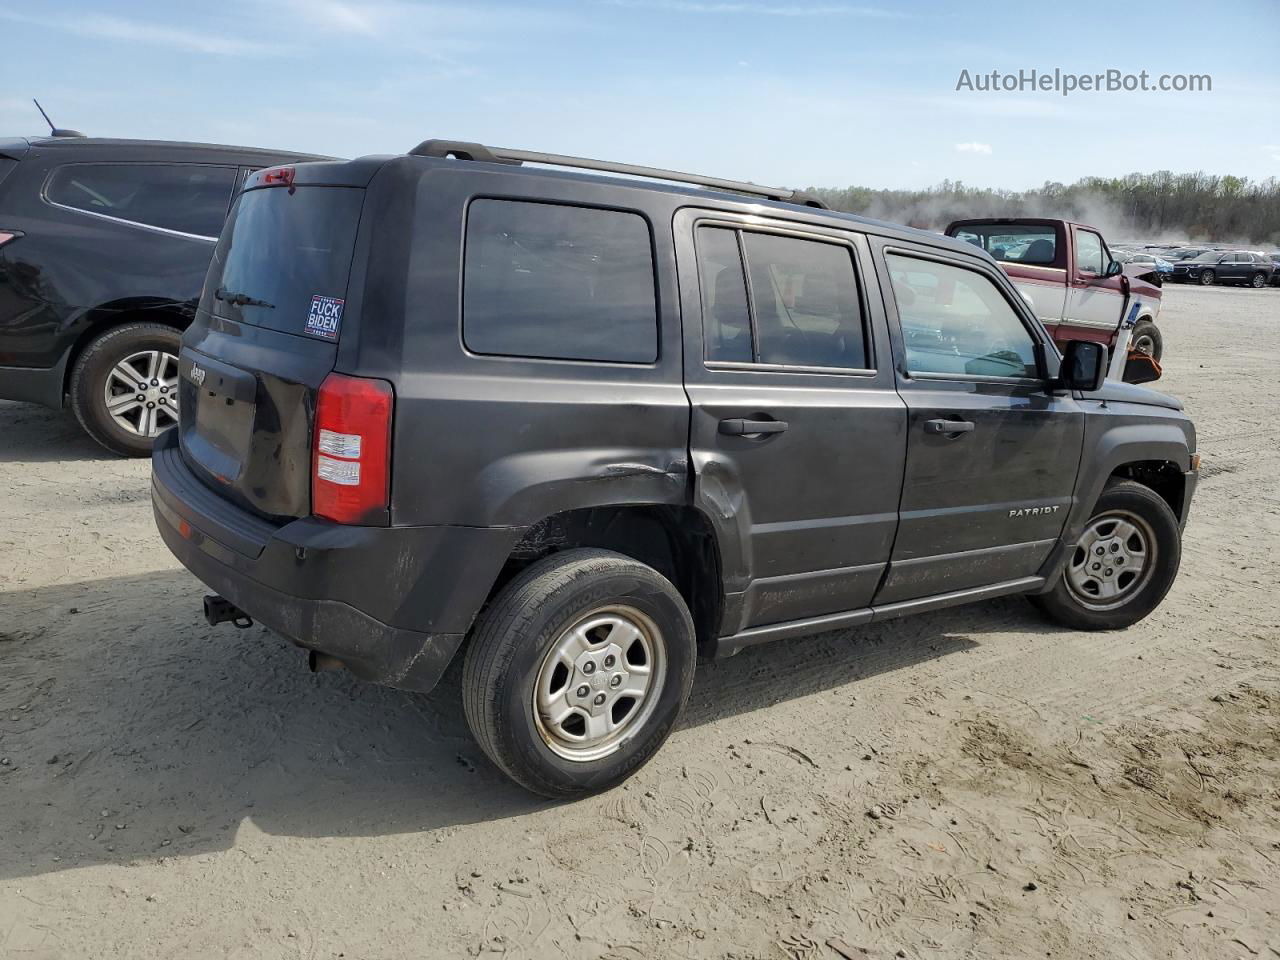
(285, 257)
(1208, 258)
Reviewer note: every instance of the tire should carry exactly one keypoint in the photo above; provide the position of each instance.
(1258, 281)
(511, 669)
(97, 372)
(1146, 512)
(1206, 278)
(1145, 332)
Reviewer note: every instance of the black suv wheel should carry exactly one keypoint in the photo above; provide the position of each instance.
(577, 671)
(124, 386)
(1123, 564)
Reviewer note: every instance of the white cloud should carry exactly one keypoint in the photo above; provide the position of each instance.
(337, 15)
(983, 148)
(135, 31)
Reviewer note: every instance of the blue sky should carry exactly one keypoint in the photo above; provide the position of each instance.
(816, 92)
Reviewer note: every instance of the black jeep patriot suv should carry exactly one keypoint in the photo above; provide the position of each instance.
(579, 429)
(103, 247)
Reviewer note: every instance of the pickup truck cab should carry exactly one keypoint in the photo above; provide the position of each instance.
(1077, 288)
(576, 430)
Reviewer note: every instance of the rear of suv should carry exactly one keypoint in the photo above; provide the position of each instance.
(577, 430)
(104, 245)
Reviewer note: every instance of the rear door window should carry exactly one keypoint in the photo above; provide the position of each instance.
(189, 198)
(804, 310)
(559, 282)
(285, 258)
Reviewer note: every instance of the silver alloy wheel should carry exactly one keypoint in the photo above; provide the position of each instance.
(1206, 277)
(1113, 560)
(141, 392)
(1259, 281)
(599, 683)
(1145, 344)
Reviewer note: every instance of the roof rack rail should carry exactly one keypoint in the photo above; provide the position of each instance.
(462, 150)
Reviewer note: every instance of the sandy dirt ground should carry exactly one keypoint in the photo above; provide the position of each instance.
(971, 783)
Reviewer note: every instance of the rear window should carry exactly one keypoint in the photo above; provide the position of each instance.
(285, 258)
(186, 197)
(559, 282)
(1032, 244)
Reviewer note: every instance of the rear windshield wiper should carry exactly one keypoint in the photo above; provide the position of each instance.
(241, 299)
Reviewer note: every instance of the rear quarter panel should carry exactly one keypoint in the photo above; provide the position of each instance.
(507, 441)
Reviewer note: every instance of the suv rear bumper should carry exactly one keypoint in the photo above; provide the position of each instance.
(392, 603)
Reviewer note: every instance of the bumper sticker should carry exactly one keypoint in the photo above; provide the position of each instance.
(325, 317)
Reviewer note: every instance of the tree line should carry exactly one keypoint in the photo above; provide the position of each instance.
(1153, 207)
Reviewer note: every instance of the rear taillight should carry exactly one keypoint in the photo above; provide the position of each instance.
(351, 459)
(7, 235)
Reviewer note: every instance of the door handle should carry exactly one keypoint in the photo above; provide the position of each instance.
(747, 428)
(948, 426)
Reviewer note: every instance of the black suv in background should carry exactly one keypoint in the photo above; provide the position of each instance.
(1225, 266)
(576, 429)
(104, 245)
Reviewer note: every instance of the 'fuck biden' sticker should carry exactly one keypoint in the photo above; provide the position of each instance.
(325, 317)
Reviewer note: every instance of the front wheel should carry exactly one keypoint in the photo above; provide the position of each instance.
(124, 386)
(1206, 278)
(1123, 564)
(1147, 339)
(577, 672)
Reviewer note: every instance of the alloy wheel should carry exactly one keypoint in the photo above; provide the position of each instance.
(141, 392)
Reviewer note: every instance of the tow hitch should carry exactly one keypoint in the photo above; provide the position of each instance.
(217, 610)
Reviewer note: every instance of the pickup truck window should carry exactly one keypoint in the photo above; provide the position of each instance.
(956, 321)
(1089, 257)
(804, 304)
(1014, 243)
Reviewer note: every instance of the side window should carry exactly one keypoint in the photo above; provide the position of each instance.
(956, 321)
(804, 304)
(560, 282)
(726, 321)
(1089, 252)
(187, 197)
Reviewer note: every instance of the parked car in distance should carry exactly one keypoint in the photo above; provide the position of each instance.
(1071, 278)
(104, 245)
(1160, 265)
(1235, 266)
(577, 429)
(1274, 257)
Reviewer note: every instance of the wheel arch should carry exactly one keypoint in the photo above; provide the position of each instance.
(678, 541)
(106, 317)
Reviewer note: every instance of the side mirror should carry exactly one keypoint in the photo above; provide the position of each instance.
(1114, 269)
(1084, 365)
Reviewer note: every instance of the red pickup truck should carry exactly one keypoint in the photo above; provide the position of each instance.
(1079, 291)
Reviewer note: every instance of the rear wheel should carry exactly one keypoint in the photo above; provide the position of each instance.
(124, 386)
(1206, 278)
(1123, 564)
(577, 672)
(1258, 280)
